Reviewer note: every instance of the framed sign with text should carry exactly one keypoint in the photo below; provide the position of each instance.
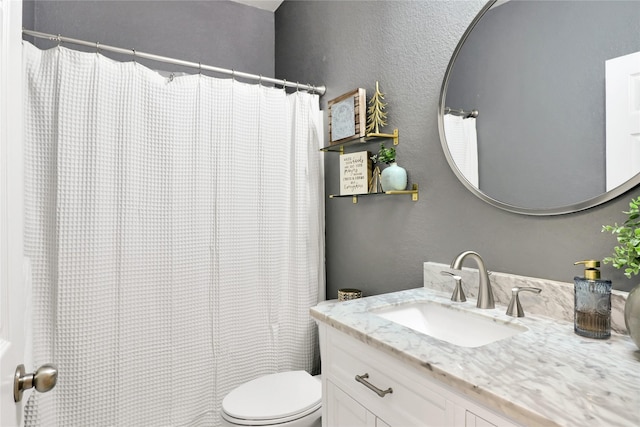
(355, 173)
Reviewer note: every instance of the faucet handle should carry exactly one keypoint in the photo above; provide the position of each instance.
(515, 309)
(458, 293)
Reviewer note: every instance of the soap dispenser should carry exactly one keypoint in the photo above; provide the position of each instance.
(592, 312)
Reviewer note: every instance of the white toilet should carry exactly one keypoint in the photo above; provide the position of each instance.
(286, 399)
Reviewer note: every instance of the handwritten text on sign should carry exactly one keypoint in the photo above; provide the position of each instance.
(355, 173)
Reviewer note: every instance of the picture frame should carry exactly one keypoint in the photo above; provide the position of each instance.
(355, 173)
(348, 116)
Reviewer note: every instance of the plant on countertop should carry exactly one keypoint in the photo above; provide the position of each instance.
(386, 155)
(627, 254)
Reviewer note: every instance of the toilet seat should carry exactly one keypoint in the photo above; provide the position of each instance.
(266, 423)
(273, 399)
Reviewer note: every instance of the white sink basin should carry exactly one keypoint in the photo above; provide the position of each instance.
(450, 324)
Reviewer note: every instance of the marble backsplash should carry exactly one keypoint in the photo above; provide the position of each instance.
(555, 301)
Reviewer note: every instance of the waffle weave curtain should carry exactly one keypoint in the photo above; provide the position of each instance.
(175, 229)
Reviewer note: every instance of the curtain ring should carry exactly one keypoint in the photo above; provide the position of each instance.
(97, 47)
(284, 85)
(59, 39)
(200, 68)
(233, 74)
(297, 87)
(260, 80)
(134, 56)
(171, 77)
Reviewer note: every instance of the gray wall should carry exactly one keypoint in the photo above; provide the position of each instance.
(539, 86)
(220, 33)
(380, 243)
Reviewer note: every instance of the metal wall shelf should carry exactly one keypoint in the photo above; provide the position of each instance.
(372, 137)
(339, 148)
(413, 193)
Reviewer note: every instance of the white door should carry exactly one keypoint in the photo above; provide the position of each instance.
(622, 77)
(12, 291)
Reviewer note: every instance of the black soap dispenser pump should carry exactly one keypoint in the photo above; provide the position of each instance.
(592, 312)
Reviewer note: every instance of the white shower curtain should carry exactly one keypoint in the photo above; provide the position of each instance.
(175, 227)
(462, 139)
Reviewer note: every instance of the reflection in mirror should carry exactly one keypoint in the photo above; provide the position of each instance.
(547, 123)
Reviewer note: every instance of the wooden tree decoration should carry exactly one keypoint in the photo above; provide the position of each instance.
(376, 117)
(375, 185)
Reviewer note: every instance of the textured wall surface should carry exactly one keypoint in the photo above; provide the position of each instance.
(219, 33)
(380, 243)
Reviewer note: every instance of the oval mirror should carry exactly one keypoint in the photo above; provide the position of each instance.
(555, 86)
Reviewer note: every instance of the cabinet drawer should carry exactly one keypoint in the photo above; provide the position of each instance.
(411, 402)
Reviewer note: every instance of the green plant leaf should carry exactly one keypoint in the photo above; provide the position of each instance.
(627, 254)
(386, 155)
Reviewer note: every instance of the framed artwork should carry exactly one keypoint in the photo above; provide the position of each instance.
(348, 116)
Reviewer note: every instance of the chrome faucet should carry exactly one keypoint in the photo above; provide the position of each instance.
(485, 294)
(515, 308)
(458, 292)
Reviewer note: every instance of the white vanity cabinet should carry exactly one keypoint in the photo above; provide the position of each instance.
(414, 400)
(346, 411)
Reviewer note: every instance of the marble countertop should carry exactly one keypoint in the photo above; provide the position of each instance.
(545, 376)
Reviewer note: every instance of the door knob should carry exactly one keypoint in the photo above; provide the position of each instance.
(43, 380)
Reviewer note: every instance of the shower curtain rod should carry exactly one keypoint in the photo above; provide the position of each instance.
(466, 114)
(320, 90)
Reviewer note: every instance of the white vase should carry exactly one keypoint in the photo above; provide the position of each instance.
(632, 314)
(393, 178)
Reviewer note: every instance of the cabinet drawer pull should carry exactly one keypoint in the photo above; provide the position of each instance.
(361, 379)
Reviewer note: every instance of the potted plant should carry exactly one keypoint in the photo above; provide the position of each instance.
(627, 256)
(393, 177)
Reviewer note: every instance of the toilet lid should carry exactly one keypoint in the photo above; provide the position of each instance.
(274, 396)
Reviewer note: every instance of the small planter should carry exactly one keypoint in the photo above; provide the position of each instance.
(632, 314)
(394, 178)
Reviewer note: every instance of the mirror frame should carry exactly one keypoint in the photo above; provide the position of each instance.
(560, 210)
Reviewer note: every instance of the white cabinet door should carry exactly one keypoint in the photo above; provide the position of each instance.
(12, 292)
(414, 400)
(472, 420)
(406, 399)
(344, 411)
